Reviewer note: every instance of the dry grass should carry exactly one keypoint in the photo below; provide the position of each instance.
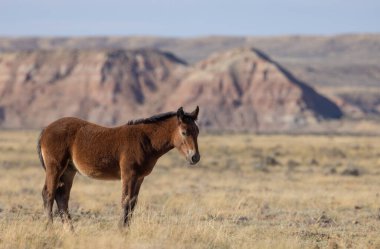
(248, 192)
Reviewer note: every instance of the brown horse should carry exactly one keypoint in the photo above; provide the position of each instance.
(128, 152)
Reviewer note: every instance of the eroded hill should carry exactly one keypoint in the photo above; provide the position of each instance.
(240, 89)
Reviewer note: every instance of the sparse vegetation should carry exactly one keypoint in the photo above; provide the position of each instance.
(248, 192)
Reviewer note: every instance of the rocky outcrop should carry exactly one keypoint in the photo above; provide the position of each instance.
(241, 89)
(104, 87)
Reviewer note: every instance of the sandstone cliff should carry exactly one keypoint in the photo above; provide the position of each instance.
(105, 87)
(241, 89)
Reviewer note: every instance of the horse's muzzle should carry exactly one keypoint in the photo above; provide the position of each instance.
(195, 158)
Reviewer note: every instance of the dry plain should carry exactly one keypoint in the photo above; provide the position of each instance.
(248, 191)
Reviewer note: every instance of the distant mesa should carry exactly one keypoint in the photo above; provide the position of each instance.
(107, 87)
(243, 89)
(240, 89)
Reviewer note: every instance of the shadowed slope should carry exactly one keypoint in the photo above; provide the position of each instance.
(243, 89)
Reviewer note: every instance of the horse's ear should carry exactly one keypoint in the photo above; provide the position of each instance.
(180, 114)
(194, 114)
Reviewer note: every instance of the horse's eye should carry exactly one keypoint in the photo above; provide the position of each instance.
(184, 133)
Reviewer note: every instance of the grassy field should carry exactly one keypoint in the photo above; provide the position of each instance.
(247, 192)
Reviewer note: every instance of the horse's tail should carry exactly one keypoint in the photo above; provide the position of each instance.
(39, 150)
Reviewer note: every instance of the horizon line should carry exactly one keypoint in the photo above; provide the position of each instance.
(189, 36)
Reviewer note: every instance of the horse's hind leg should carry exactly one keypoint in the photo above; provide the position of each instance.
(62, 195)
(49, 190)
(53, 172)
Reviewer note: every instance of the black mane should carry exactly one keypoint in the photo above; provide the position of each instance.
(153, 119)
(158, 118)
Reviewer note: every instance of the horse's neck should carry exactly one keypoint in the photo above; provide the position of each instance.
(161, 134)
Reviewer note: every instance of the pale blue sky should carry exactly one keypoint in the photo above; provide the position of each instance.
(187, 17)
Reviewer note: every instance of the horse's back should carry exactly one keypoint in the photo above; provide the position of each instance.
(63, 128)
(67, 122)
(60, 134)
(91, 148)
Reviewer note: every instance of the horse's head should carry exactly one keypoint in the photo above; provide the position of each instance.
(186, 134)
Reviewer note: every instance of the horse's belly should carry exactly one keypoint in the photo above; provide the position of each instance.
(102, 169)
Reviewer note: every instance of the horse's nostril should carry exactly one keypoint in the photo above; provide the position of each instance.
(195, 158)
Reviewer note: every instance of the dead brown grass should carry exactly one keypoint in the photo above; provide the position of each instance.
(248, 192)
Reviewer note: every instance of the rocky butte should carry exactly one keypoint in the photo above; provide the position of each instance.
(237, 90)
(243, 89)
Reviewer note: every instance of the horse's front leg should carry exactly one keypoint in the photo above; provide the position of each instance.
(131, 187)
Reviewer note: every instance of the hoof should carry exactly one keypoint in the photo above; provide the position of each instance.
(68, 227)
(49, 224)
(123, 226)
